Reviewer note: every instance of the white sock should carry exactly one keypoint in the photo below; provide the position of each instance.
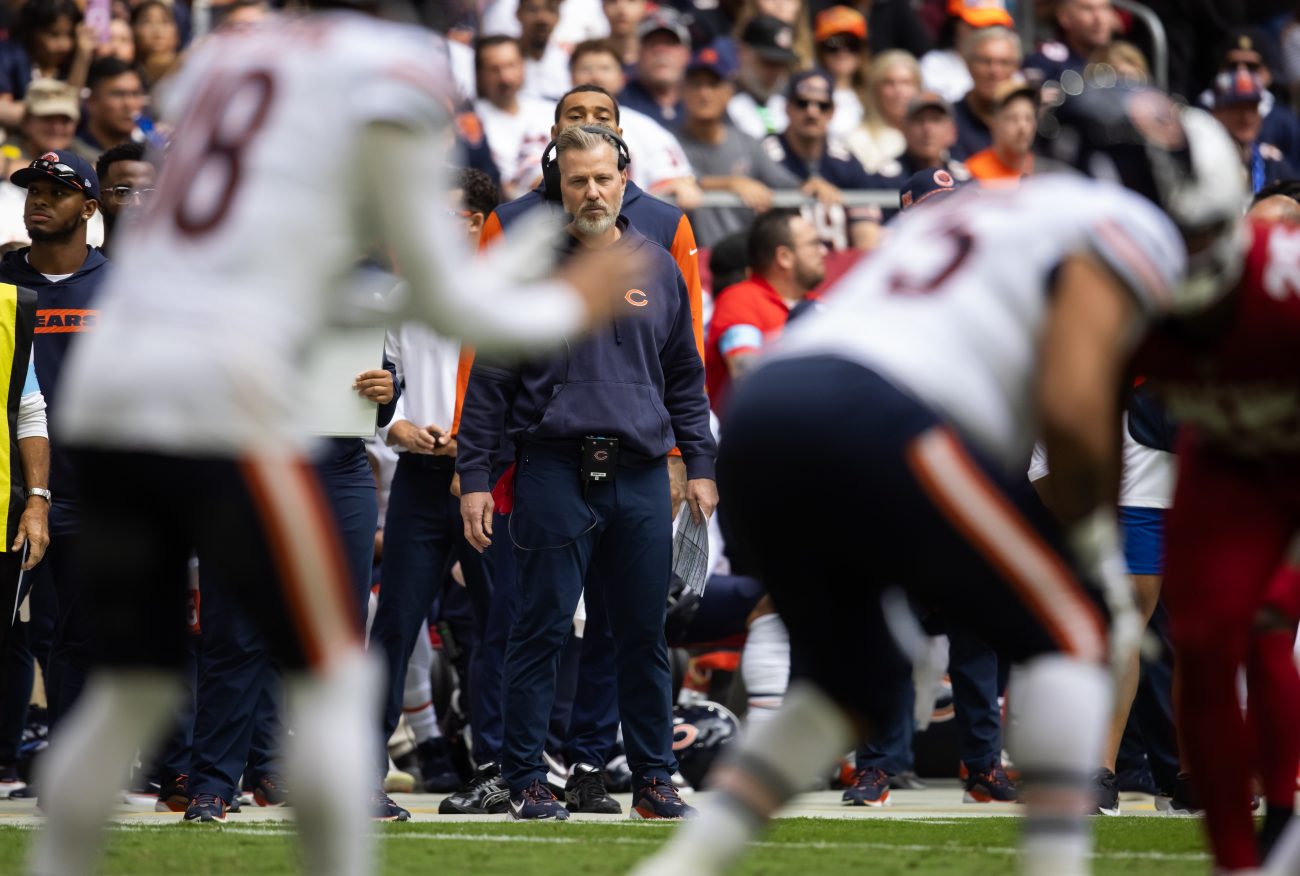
(777, 760)
(1062, 708)
(417, 695)
(89, 761)
(765, 667)
(329, 763)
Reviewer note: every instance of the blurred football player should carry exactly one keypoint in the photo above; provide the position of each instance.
(1231, 378)
(972, 328)
(301, 146)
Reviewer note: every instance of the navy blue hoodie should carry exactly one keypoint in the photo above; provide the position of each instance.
(639, 379)
(63, 310)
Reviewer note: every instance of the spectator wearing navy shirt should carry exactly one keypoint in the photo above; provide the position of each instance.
(824, 165)
(656, 89)
(46, 43)
(993, 55)
(65, 273)
(115, 102)
(1086, 26)
(1236, 106)
(1252, 50)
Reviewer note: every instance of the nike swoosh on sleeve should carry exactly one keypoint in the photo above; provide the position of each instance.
(693, 252)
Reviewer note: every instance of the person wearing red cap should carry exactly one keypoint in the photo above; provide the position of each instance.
(943, 69)
(841, 39)
(1085, 26)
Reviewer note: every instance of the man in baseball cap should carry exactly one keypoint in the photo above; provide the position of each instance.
(1237, 96)
(64, 167)
(656, 89)
(933, 182)
(767, 59)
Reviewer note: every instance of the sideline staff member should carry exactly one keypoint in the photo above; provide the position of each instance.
(590, 430)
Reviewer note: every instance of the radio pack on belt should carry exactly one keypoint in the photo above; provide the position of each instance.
(599, 459)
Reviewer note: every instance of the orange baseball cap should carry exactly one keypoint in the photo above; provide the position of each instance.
(837, 20)
(981, 13)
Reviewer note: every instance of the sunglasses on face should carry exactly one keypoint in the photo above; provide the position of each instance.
(61, 171)
(805, 104)
(1251, 66)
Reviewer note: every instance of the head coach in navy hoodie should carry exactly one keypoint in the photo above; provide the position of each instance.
(590, 429)
(65, 273)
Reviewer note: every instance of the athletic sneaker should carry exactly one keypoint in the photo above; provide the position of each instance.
(206, 809)
(174, 795)
(1183, 799)
(436, 771)
(10, 781)
(659, 799)
(382, 808)
(270, 791)
(992, 785)
(1106, 789)
(585, 792)
(537, 803)
(907, 780)
(870, 788)
(484, 794)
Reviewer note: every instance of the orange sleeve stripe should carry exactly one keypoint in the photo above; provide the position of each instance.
(491, 232)
(684, 252)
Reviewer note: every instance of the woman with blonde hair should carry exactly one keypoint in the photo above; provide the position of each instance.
(893, 79)
(1125, 61)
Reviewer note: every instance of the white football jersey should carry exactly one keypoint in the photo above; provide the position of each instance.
(251, 247)
(952, 307)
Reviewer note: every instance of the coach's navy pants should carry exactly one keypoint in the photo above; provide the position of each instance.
(423, 538)
(621, 534)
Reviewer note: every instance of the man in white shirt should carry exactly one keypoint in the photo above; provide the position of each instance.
(579, 20)
(659, 164)
(518, 127)
(546, 63)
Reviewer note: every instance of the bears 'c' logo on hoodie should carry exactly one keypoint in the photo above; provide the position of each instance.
(636, 298)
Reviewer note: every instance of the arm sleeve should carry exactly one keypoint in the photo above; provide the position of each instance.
(31, 416)
(488, 301)
(1144, 249)
(686, 254)
(392, 356)
(684, 396)
(488, 397)
(386, 411)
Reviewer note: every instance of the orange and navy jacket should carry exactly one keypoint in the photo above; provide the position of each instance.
(638, 379)
(656, 220)
(63, 310)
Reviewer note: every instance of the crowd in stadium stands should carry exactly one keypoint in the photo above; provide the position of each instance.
(716, 108)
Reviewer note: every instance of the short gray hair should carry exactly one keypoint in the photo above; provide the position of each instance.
(979, 36)
(579, 139)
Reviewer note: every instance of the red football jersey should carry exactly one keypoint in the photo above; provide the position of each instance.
(1238, 389)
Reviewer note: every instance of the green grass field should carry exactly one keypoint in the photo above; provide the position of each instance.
(800, 846)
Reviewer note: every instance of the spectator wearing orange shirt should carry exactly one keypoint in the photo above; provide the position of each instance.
(1015, 119)
(787, 260)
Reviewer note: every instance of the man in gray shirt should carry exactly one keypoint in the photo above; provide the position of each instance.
(726, 159)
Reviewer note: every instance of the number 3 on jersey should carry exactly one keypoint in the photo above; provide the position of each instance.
(200, 181)
(957, 241)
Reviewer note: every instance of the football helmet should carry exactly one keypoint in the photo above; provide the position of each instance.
(701, 732)
(1177, 156)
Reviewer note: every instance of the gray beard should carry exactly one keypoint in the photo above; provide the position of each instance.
(595, 227)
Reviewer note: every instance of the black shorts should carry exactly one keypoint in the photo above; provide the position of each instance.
(839, 486)
(261, 527)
